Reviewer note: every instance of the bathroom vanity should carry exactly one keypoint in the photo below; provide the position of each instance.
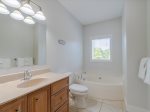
(46, 92)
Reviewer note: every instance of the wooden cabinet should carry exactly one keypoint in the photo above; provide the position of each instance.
(38, 101)
(59, 85)
(60, 95)
(59, 99)
(18, 105)
(64, 108)
(52, 98)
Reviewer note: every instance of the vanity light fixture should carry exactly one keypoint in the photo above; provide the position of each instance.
(17, 15)
(12, 3)
(3, 9)
(39, 16)
(27, 9)
(29, 20)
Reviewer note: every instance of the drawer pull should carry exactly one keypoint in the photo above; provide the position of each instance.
(18, 110)
(36, 99)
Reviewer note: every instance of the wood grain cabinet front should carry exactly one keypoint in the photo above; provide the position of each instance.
(18, 105)
(59, 85)
(60, 96)
(52, 98)
(64, 108)
(59, 99)
(38, 101)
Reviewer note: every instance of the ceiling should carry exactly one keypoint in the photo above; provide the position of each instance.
(92, 11)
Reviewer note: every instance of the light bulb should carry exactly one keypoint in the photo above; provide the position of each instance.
(12, 3)
(29, 20)
(3, 9)
(27, 9)
(39, 15)
(17, 15)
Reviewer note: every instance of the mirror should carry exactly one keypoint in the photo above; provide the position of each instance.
(21, 44)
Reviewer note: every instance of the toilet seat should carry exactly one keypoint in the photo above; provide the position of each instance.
(78, 88)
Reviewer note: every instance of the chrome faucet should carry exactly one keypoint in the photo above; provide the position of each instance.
(27, 74)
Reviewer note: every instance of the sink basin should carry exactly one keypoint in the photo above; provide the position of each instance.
(30, 83)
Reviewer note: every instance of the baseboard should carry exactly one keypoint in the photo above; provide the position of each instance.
(130, 108)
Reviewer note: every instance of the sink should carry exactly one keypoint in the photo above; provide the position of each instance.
(30, 83)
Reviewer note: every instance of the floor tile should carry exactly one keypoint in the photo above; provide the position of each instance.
(110, 108)
(93, 106)
(99, 106)
(117, 104)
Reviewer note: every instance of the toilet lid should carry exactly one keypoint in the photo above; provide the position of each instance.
(78, 88)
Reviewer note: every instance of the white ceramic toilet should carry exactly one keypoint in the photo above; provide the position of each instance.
(79, 93)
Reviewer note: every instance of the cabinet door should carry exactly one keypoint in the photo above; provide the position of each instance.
(59, 99)
(64, 108)
(18, 105)
(38, 101)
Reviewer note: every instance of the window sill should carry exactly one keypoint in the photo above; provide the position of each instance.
(101, 61)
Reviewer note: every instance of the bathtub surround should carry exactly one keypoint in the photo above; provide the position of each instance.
(134, 36)
(62, 26)
(96, 31)
(106, 88)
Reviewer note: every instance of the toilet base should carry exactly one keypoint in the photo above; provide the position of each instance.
(80, 101)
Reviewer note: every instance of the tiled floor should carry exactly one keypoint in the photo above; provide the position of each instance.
(100, 106)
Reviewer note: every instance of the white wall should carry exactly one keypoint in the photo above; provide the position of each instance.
(40, 44)
(136, 48)
(94, 31)
(148, 41)
(148, 25)
(16, 38)
(124, 55)
(61, 25)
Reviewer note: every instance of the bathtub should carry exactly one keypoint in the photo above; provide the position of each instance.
(103, 87)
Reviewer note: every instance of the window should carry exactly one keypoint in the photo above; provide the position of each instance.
(101, 50)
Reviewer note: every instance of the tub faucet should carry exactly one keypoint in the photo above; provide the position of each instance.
(99, 77)
(27, 75)
(81, 76)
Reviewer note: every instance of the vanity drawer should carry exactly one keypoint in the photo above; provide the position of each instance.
(18, 105)
(59, 99)
(57, 86)
(64, 108)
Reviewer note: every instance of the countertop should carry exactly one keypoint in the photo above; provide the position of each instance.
(10, 90)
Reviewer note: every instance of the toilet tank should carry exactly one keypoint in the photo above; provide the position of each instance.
(71, 77)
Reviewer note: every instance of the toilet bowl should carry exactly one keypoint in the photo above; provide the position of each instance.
(79, 93)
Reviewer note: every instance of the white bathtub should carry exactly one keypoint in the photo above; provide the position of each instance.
(103, 87)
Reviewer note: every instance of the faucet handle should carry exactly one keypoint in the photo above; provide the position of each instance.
(27, 74)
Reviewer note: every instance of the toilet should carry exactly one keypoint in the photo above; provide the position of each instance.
(79, 93)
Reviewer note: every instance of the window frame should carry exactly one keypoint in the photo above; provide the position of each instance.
(98, 38)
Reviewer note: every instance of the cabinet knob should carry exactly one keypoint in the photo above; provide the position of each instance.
(36, 99)
(17, 110)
